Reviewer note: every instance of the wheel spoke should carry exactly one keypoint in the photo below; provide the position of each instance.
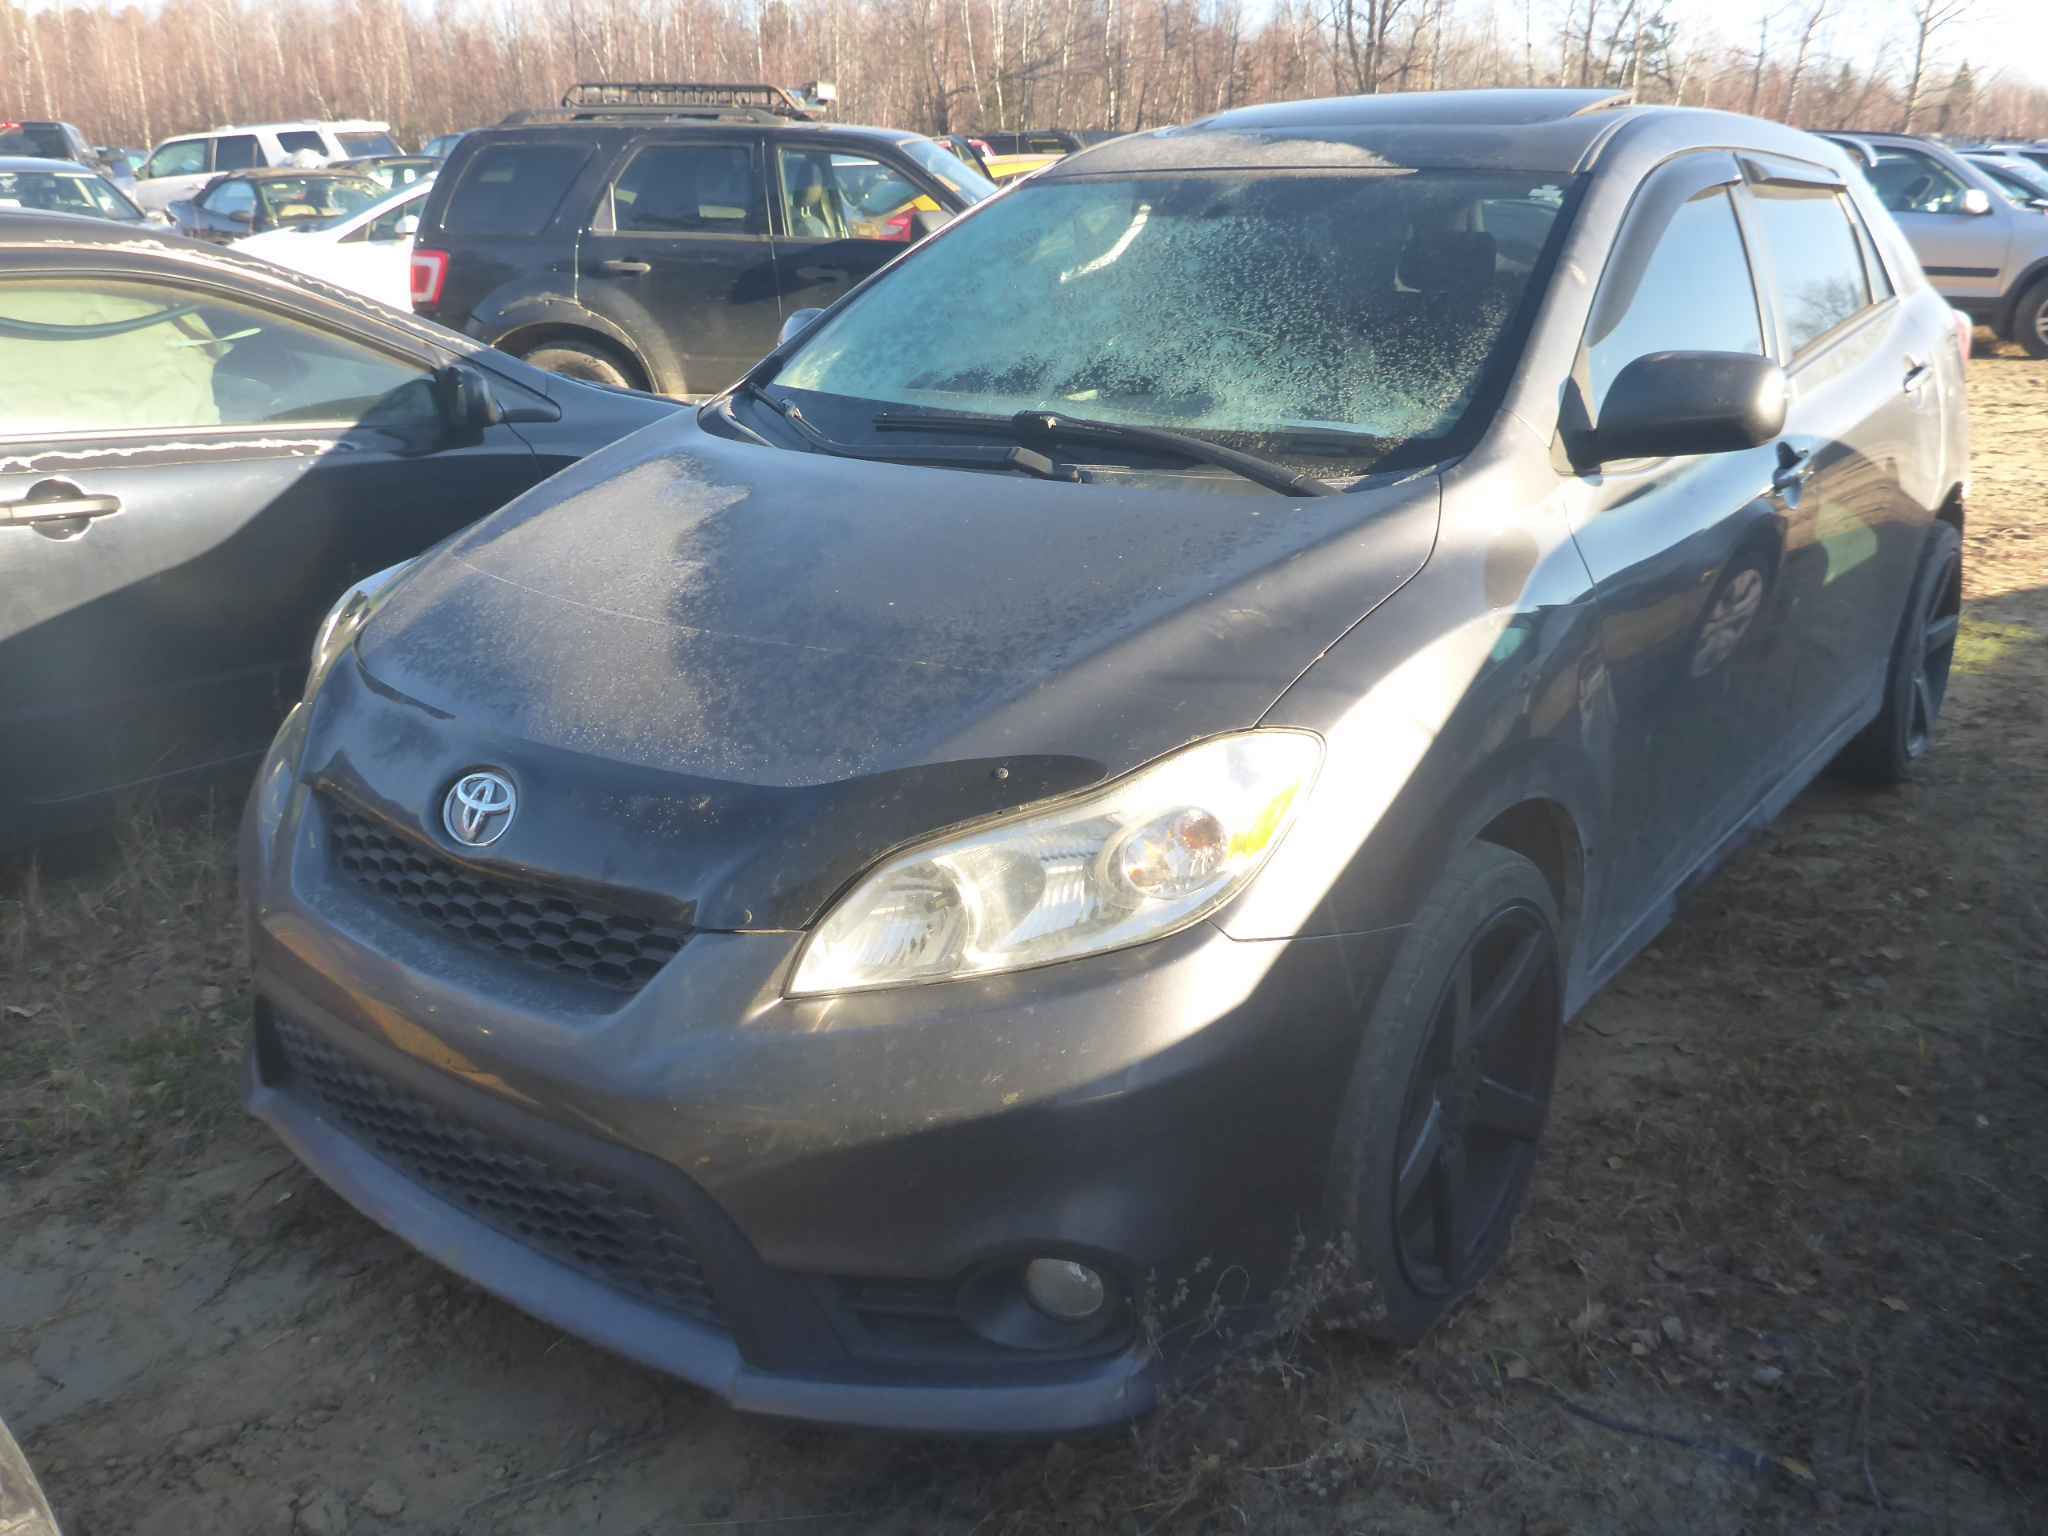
(1444, 1216)
(1422, 1158)
(1923, 705)
(1941, 633)
(1509, 1110)
(1509, 987)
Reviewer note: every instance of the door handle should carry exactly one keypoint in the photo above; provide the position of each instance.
(820, 274)
(1795, 468)
(1916, 374)
(56, 501)
(621, 268)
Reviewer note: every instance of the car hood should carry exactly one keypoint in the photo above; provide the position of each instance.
(737, 635)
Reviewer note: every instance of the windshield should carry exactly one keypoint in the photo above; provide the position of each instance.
(314, 202)
(936, 160)
(1273, 312)
(65, 192)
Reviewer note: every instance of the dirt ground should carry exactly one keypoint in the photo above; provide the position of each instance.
(1782, 1270)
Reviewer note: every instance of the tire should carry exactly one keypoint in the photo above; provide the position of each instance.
(582, 360)
(2030, 320)
(1917, 682)
(1462, 1117)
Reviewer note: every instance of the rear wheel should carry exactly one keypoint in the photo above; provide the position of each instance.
(1922, 657)
(1450, 1091)
(2030, 320)
(588, 361)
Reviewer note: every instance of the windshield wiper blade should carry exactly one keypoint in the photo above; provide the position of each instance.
(1051, 426)
(1017, 457)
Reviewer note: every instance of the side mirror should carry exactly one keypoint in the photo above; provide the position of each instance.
(1976, 201)
(158, 216)
(408, 226)
(796, 325)
(464, 402)
(1668, 404)
(242, 216)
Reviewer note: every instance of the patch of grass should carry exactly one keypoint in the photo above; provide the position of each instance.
(1982, 647)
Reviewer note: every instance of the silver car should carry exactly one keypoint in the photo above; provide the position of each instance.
(1985, 254)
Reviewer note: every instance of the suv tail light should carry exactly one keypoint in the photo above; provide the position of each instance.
(899, 226)
(429, 276)
(1964, 326)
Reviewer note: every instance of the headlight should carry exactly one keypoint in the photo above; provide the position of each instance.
(1138, 859)
(345, 618)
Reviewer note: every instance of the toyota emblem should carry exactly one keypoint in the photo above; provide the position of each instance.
(479, 808)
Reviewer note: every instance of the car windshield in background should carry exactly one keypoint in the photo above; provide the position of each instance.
(313, 202)
(358, 145)
(65, 192)
(938, 161)
(45, 141)
(1340, 322)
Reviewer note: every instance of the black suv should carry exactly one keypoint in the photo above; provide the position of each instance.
(658, 236)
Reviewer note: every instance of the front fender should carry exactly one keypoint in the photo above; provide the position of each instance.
(501, 320)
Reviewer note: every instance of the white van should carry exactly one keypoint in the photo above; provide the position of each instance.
(179, 167)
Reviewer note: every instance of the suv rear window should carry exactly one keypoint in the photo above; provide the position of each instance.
(42, 141)
(513, 189)
(237, 152)
(292, 143)
(361, 144)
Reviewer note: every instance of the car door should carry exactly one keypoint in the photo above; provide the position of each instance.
(1684, 552)
(841, 215)
(375, 257)
(1964, 243)
(1862, 408)
(175, 170)
(190, 472)
(678, 256)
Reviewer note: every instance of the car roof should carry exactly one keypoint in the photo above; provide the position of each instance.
(42, 163)
(653, 120)
(291, 173)
(1550, 131)
(295, 125)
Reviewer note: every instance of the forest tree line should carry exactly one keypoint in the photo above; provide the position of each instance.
(127, 76)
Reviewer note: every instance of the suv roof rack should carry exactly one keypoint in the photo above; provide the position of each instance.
(624, 100)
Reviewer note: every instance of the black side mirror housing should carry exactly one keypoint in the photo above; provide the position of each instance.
(1670, 404)
(468, 406)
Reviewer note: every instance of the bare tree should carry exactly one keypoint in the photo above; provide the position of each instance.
(1930, 19)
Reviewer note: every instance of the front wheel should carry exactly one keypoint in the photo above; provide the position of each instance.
(1917, 683)
(579, 360)
(1450, 1091)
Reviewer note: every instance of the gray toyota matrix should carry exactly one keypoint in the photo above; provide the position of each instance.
(922, 894)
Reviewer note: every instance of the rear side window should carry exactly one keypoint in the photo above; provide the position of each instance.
(356, 145)
(1694, 293)
(302, 138)
(1907, 181)
(513, 189)
(710, 189)
(237, 152)
(1815, 258)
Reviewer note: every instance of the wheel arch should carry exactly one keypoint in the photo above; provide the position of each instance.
(531, 337)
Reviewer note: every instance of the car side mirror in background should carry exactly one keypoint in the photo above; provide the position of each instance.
(158, 216)
(1668, 404)
(242, 216)
(796, 325)
(1976, 201)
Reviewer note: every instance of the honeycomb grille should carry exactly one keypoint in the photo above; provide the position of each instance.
(550, 929)
(578, 1218)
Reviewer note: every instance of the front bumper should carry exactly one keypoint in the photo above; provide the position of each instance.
(840, 1178)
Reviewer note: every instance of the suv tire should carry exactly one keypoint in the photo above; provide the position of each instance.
(2030, 320)
(591, 362)
(1450, 1091)
(1918, 679)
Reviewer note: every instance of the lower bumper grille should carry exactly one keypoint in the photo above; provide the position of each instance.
(576, 1216)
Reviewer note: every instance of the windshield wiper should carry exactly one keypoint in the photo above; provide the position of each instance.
(1049, 427)
(1022, 459)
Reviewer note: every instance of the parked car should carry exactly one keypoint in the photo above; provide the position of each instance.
(180, 166)
(2018, 180)
(2035, 155)
(64, 186)
(1006, 168)
(257, 202)
(196, 453)
(120, 163)
(1983, 254)
(1043, 141)
(24, 1509)
(392, 172)
(440, 145)
(661, 247)
(369, 252)
(908, 895)
(46, 141)
(969, 151)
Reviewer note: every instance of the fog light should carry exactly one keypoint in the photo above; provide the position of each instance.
(1063, 1289)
